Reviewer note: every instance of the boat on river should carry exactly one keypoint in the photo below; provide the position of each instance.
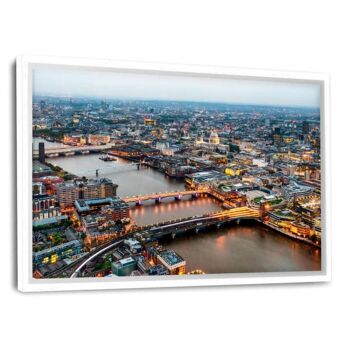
(107, 158)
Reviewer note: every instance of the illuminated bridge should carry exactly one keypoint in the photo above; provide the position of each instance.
(72, 150)
(199, 222)
(159, 196)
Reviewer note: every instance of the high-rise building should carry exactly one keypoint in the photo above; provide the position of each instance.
(41, 152)
(277, 136)
(305, 127)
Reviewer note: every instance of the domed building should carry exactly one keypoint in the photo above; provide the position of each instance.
(214, 138)
(213, 144)
(200, 139)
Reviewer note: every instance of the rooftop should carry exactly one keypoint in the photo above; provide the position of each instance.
(127, 261)
(116, 203)
(60, 247)
(208, 176)
(40, 167)
(295, 188)
(170, 257)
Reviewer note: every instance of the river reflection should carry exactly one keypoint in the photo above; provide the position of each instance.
(170, 209)
(244, 248)
(130, 179)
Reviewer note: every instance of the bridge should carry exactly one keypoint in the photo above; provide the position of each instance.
(157, 197)
(199, 222)
(72, 150)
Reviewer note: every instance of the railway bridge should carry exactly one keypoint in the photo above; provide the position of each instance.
(157, 197)
(72, 150)
(198, 223)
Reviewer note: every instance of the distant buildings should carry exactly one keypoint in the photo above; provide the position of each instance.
(305, 127)
(213, 144)
(135, 151)
(166, 149)
(74, 140)
(81, 140)
(277, 136)
(98, 139)
(150, 121)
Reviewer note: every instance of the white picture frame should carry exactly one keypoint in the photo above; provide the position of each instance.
(26, 283)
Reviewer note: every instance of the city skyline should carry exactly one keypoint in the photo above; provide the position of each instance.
(165, 87)
(139, 174)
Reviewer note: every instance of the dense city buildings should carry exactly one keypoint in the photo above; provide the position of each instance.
(141, 181)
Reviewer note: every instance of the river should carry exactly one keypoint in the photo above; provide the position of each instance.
(248, 247)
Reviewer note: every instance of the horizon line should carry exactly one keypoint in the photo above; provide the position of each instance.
(169, 100)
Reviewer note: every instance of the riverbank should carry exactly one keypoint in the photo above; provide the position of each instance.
(132, 180)
(290, 235)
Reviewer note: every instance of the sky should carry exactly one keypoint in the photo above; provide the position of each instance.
(104, 84)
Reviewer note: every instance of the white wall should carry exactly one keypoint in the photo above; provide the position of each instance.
(292, 35)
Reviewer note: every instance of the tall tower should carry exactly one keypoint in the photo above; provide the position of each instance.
(276, 135)
(41, 152)
(305, 127)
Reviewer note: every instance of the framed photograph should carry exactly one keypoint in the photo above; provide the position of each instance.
(135, 175)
